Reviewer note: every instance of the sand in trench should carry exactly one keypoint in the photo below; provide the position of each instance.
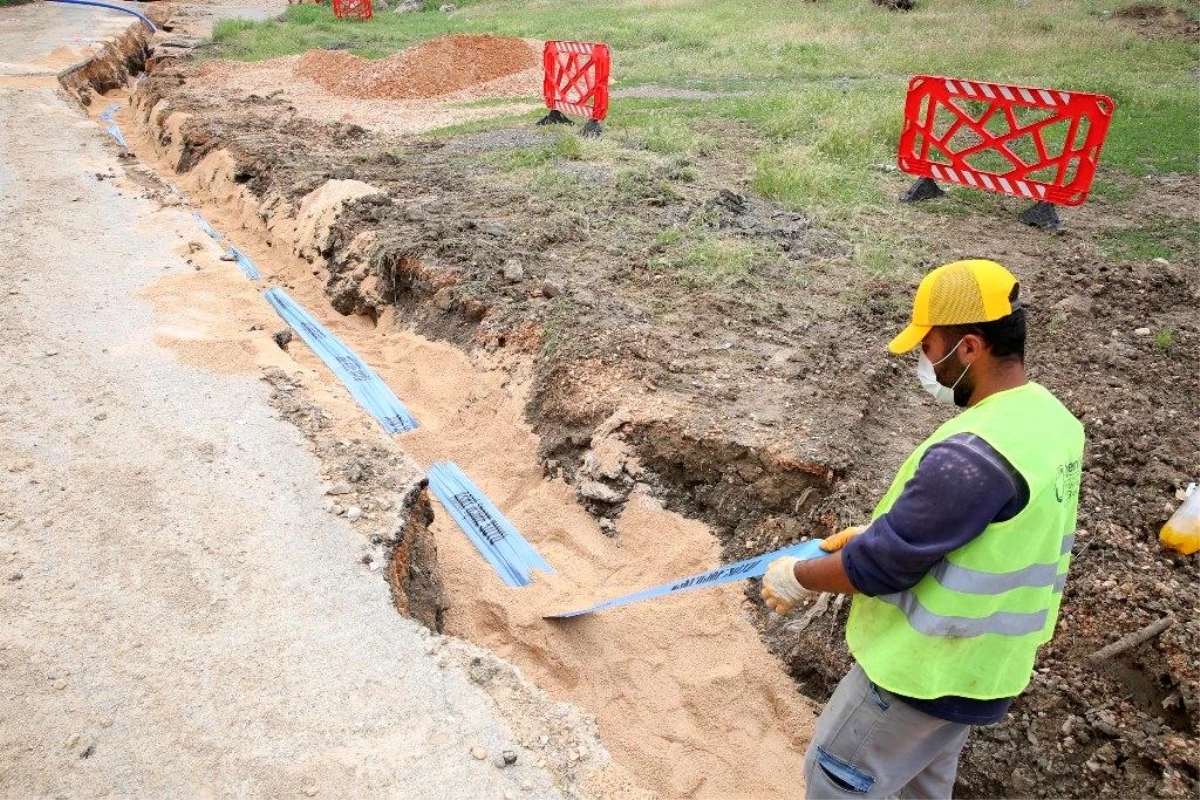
(687, 696)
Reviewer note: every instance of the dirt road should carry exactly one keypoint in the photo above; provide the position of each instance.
(181, 615)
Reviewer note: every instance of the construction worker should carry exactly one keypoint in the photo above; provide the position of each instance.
(958, 578)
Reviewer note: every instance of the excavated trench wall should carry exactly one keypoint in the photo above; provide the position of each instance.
(342, 227)
(741, 490)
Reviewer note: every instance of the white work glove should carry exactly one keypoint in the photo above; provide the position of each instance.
(781, 591)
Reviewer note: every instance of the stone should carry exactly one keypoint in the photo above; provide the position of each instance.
(447, 8)
(1075, 304)
(310, 791)
(512, 270)
(283, 338)
(526, 785)
(594, 490)
(510, 757)
(354, 513)
(550, 289)
(606, 459)
(51, 352)
(341, 487)
(478, 753)
(1142, 332)
(228, 257)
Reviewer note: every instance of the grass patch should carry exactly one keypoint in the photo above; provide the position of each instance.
(1164, 340)
(564, 146)
(1158, 238)
(668, 137)
(713, 261)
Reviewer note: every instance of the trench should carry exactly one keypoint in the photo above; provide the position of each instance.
(688, 699)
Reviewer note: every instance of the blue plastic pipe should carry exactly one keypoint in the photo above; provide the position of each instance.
(140, 16)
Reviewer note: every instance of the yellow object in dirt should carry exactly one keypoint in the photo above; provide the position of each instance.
(1182, 531)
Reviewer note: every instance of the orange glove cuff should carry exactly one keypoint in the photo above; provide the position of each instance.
(832, 544)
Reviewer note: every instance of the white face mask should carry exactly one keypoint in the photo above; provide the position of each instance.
(929, 381)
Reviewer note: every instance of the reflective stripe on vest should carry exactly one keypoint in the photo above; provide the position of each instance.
(1005, 623)
(973, 581)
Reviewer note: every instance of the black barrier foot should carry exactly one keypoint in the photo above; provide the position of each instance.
(555, 118)
(922, 189)
(591, 129)
(1041, 215)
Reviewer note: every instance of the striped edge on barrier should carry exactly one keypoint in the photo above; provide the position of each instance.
(362, 382)
(502, 545)
(582, 48)
(978, 89)
(993, 183)
(750, 568)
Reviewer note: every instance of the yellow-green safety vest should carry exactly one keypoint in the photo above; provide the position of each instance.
(972, 626)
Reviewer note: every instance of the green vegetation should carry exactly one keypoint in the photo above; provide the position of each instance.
(1158, 238)
(564, 146)
(817, 88)
(1164, 340)
(714, 260)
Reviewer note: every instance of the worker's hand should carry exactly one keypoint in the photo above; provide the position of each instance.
(781, 591)
(831, 544)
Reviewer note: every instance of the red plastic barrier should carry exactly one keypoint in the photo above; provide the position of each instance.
(576, 80)
(353, 9)
(1043, 144)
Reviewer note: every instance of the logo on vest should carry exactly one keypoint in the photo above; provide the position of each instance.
(1066, 482)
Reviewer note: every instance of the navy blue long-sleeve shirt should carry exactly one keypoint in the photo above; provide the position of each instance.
(961, 486)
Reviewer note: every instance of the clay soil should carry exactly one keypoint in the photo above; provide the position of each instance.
(431, 69)
(764, 404)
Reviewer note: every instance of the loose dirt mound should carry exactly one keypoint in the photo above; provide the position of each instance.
(431, 69)
(1157, 21)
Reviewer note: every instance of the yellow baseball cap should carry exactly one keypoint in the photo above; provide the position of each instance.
(977, 290)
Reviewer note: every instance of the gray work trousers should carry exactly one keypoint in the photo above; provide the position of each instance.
(868, 743)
